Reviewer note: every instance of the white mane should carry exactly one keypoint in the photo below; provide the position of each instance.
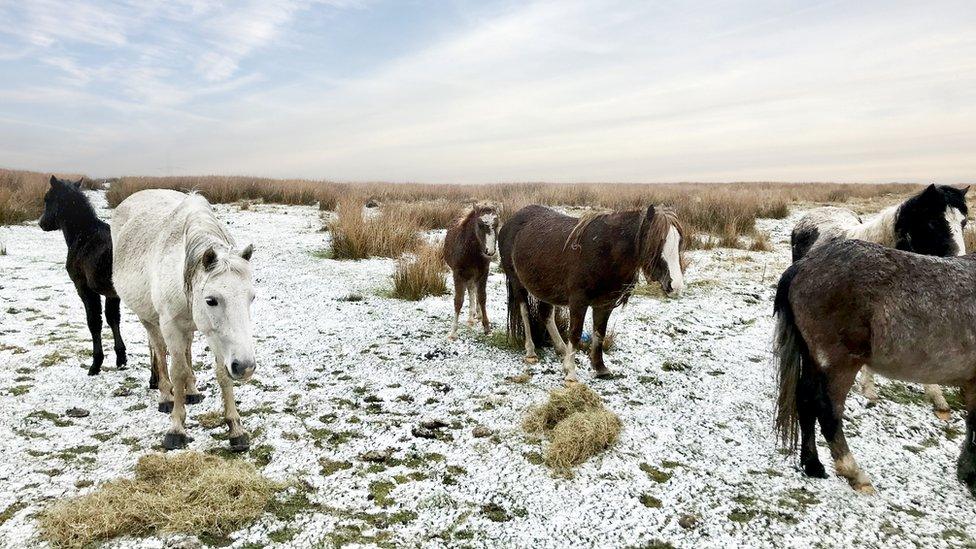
(202, 231)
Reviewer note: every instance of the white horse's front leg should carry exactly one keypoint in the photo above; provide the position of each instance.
(193, 395)
(239, 440)
(178, 345)
(942, 410)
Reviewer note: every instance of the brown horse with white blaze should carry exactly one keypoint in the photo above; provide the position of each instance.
(559, 260)
(469, 247)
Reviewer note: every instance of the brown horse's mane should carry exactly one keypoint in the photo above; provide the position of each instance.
(476, 210)
(649, 245)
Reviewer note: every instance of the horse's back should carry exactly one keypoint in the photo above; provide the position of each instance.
(140, 224)
(820, 225)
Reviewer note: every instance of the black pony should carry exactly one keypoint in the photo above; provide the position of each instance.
(89, 262)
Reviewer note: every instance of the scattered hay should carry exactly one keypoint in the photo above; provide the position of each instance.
(562, 403)
(576, 423)
(188, 492)
(581, 436)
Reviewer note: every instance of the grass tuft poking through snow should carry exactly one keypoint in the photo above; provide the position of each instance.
(188, 492)
(420, 275)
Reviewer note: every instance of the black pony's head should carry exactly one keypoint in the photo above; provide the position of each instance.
(932, 222)
(62, 200)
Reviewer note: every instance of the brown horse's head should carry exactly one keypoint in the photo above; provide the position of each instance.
(662, 257)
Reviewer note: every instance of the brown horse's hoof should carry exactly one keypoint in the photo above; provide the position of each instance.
(196, 398)
(604, 374)
(531, 360)
(166, 407)
(176, 441)
(944, 415)
(240, 444)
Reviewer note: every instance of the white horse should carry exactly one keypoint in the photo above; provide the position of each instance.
(930, 223)
(177, 268)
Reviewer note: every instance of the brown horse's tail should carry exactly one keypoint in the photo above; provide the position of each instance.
(537, 323)
(791, 351)
(515, 327)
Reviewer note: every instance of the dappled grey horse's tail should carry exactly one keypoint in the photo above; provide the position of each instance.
(791, 351)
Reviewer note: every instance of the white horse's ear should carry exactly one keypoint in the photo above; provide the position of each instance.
(209, 259)
(246, 254)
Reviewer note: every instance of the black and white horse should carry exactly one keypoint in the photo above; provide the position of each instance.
(929, 223)
(89, 261)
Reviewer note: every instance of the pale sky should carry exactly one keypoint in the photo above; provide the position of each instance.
(485, 90)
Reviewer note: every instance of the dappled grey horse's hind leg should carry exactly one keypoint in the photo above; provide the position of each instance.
(966, 465)
(839, 379)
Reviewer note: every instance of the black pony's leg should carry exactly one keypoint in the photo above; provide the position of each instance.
(93, 313)
(966, 466)
(601, 317)
(113, 316)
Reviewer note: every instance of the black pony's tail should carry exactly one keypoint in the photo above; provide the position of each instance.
(791, 351)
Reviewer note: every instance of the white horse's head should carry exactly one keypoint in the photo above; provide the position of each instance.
(221, 298)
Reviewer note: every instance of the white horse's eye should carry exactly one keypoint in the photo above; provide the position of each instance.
(211, 301)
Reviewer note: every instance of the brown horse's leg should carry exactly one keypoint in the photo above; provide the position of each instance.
(601, 317)
(530, 356)
(177, 342)
(840, 378)
(577, 313)
(458, 303)
(239, 440)
(482, 286)
(114, 318)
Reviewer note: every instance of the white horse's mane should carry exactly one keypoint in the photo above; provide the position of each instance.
(202, 231)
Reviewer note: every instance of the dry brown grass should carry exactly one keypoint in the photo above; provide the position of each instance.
(576, 423)
(969, 237)
(228, 189)
(187, 492)
(421, 274)
(356, 235)
(22, 194)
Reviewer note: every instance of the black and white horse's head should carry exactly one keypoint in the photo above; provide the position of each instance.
(932, 222)
(62, 200)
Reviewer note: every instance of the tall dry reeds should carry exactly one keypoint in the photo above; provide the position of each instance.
(22, 194)
(358, 235)
(420, 274)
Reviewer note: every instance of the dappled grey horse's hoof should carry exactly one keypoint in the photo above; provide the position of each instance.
(176, 441)
(166, 407)
(240, 444)
(194, 399)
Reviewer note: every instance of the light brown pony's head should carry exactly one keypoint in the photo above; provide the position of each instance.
(483, 222)
(662, 248)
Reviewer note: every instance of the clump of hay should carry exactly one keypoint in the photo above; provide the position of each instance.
(188, 492)
(576, 423)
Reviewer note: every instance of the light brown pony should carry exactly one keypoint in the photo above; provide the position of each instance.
(551, 259)
(468, 248)
(850, 303)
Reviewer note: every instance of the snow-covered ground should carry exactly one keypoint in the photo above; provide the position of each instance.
(697, 464)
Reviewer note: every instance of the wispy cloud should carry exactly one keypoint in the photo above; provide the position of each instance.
(569, 90)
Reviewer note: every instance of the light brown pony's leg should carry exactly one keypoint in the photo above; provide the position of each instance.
(482, 286)
(157, 355)
(934, 394)
(530, 356)
(178, 343)
(458, 303)
(577, 313)
(239, 441)
(473, 315)
(839, 381)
